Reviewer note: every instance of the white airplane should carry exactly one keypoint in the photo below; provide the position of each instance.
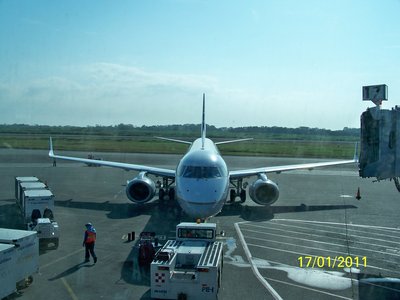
(202, 179)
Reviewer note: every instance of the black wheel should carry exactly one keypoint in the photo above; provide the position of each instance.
(171, 194)
(242, 196)
(232, 195)
(161, 194)
(36, 214)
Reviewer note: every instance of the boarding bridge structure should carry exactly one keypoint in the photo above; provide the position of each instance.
(380, 139)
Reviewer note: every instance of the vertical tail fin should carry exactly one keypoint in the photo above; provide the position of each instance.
(203, 122)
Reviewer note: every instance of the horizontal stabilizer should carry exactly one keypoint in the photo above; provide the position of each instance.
(233, 141)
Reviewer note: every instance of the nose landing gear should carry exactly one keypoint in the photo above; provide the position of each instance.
(239, 190)
(165, 188)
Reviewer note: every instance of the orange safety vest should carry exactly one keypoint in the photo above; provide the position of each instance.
(91, 237)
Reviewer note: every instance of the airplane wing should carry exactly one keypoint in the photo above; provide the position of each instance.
(279, 169)
(128, 167)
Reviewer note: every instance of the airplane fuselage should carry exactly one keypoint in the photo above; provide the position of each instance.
(202, 180)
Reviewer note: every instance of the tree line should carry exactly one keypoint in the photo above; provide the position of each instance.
(187, 130)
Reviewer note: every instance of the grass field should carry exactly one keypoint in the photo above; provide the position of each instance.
(143, 144)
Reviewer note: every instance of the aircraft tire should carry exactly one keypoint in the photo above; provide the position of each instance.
(171, 194)
(161, 194)
(242, 196)
(232, 195)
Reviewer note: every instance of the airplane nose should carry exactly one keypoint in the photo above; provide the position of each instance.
(202, 192)
(202, 198)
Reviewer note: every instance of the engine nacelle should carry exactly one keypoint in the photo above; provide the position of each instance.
(264, 191)
(140, 189)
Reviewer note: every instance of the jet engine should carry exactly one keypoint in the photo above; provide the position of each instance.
(264, 191)
(140, 189)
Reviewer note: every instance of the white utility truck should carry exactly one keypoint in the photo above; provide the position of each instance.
(189, 267)
(19, 259)
(37, 211)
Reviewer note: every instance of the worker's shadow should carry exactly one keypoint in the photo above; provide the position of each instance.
(71, 270)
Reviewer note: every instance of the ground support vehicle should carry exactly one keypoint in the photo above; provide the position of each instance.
(18, 181)
(37, 205)
(37, 211)
(19, 259)
(23, 186)
(189, 267)
(48, 232)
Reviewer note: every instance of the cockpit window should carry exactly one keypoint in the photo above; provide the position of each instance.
(201, 172)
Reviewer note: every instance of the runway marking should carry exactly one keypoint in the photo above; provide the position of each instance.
(334, 232)
(307, 288)
(254, 268)
(344, 253)
(315, 238)
(332, 238)
(346, 196)
(307, 254)
(335, 228)
(392, 251)
(69, 289)
(334, 223)
(61, 258)
(349, 229)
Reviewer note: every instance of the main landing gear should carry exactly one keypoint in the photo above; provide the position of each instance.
(239, 190)
(166, 189)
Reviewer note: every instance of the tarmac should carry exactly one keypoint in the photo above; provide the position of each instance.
(316, 242)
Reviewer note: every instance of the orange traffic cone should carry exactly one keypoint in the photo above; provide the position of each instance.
(358, 196)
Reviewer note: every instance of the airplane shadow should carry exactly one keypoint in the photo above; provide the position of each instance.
(124, 210)
(246, 212)
(264, 213)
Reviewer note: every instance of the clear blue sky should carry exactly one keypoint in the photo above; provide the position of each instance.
(262, 63)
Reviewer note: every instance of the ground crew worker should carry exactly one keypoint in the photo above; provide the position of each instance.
(89, 241)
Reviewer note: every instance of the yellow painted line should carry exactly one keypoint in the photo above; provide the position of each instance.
(61, 258)
(69, 289)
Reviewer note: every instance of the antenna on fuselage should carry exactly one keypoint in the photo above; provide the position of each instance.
(203, 123)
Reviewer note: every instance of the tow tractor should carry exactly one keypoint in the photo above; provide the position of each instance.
(189, 267)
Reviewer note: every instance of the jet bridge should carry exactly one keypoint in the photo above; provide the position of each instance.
(380, 138)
